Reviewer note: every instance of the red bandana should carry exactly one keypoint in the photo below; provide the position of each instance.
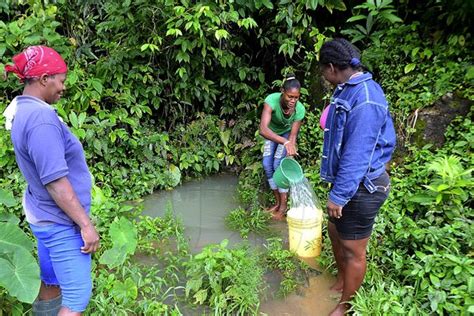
(36, 61)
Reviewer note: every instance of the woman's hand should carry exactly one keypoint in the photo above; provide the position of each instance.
(334, 210)
(290, 148)
(91, 239)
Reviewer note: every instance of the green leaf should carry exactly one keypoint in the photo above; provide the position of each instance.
(392, 18)
(20, 275)
(225, 136)
(7, 199)
(12, 238)
(435, 280)
(457, 270)
(219, 34)
(32, 40)
(428, 53)
(124, 234)
(123, 292)
(9, 218)
(470, 73)
(113, 257)
(97, 85)
(176, 32)
(200, 296)
(97, 145)
(311, 4)
(356, 18)
(415, 51)
(193, 285)
(408, 68)
(242, 74)
(421, 198)
(73, 119)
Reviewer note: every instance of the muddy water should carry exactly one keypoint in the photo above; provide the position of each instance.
(316, 299)
(203, 205)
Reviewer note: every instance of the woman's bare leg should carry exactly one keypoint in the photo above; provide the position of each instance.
(338, 256)
(355, 266)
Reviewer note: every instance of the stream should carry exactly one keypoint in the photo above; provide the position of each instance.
(202, 205)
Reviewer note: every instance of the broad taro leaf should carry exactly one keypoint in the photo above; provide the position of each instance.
(19, 274)
(9, 218)
(12, 237)
(123, 233)
(6, 198)
(113, 257)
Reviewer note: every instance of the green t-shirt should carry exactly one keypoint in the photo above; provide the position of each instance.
(279, 123)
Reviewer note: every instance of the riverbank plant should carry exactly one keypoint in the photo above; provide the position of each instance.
(294, 272)
(255, 220)
(229, 281)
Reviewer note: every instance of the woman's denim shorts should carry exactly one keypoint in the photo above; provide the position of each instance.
(358, 215)
(62, 263)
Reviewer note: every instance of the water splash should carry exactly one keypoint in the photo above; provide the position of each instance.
(303, 198)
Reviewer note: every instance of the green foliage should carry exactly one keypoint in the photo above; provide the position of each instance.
(19, 274)
(380, 14)
(387, 298)
(453, 187)
(228, 280)
(144, 281)
(133, 289)
(167, 230)
(124, 240)
(427, 251)
(245, 221)
(294, 271)
(416, 72)
(164, 91)
(20, 271)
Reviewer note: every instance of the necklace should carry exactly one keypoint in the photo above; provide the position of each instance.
(286, 112)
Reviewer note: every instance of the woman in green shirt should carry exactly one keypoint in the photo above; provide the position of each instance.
(281, 120)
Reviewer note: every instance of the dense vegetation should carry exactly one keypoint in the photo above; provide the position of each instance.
(165, 90)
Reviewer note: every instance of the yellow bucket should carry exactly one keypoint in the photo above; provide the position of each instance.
(305, 236)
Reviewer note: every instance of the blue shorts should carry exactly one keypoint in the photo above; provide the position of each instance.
(358, 215)
(62, 263)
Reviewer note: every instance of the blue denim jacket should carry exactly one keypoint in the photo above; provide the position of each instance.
(359, 138)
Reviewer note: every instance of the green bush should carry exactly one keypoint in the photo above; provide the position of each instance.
(228, 280)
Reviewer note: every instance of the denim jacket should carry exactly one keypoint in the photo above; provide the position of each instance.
(359, 138)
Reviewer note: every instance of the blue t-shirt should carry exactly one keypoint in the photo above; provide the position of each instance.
(46, 150)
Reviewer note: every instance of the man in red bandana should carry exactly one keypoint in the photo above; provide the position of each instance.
(58, 197)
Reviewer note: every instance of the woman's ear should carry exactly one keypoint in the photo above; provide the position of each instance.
(331, 66)
(43, 79)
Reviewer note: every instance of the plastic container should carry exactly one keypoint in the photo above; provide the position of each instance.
(289, 171)
(305, 231)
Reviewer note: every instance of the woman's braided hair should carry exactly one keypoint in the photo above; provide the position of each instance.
(341, 53)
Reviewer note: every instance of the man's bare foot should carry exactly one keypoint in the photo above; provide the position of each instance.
(340, 310)
(338, 286)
